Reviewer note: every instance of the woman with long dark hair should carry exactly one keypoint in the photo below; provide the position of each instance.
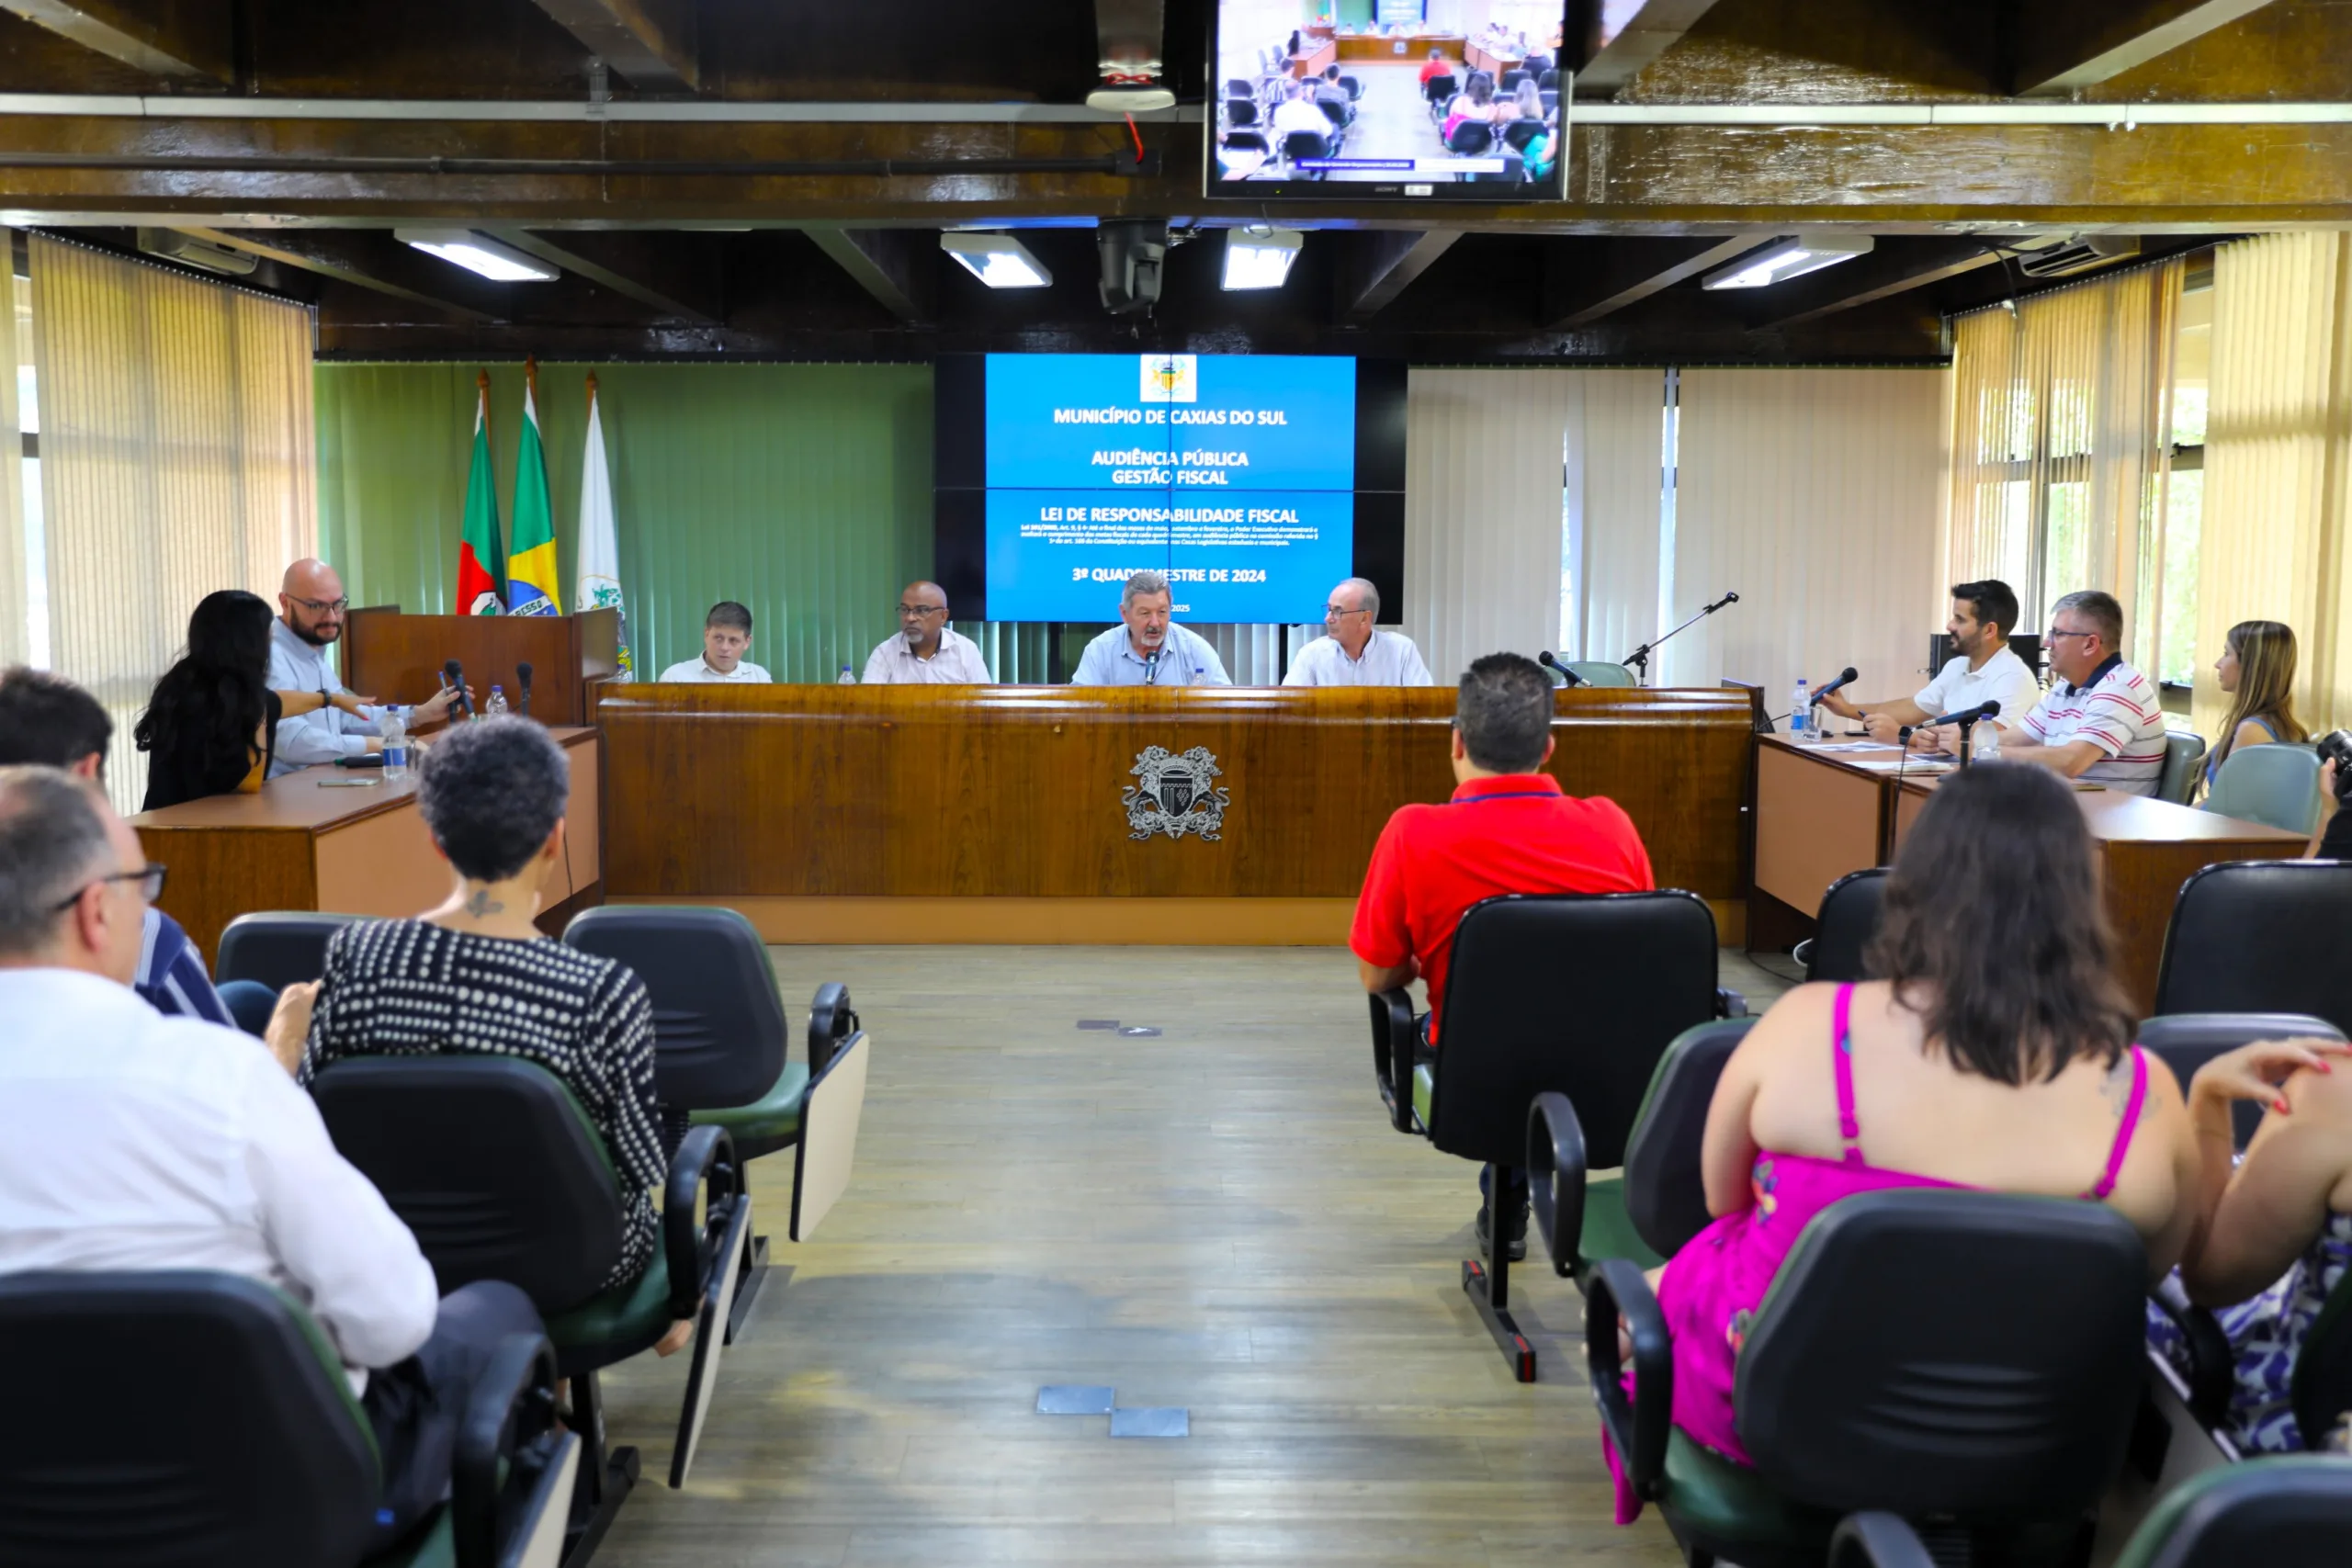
(210, 726)
(1994, 1052)
(2257, 669)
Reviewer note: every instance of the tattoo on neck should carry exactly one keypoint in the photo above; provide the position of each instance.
(2118, 1084)
(479, 903)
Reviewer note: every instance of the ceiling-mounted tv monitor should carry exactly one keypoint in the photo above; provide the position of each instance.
(1424, 100)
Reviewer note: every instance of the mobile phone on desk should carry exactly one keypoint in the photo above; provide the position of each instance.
(349, 784)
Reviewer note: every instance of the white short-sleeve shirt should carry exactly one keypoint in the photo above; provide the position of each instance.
(2115, 711)
(697, 669)
(1389, 659)
(957, 663)
(2005, 679)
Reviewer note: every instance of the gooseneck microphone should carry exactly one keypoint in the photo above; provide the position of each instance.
(456, 673)
(1545, 660)
(1965, 715)
(1152, 668)
(1844, 677)
(523, 676)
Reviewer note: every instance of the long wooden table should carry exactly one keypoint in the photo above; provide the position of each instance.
(995, 813)
(296, 845)
(1367, 48)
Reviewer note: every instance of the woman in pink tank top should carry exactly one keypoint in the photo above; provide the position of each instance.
(1996, 1055)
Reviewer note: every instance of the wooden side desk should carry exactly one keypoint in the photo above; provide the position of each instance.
(1366, 47)
(909, 814)
(2147, 849)
(360, 851)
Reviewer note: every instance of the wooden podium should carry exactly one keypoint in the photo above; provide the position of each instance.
(399, 658)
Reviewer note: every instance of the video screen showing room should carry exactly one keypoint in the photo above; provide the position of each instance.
(1389, 91)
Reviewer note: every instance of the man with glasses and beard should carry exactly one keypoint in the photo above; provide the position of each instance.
(2100, 722)
(311, 607)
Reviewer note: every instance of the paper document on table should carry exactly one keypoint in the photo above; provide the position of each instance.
(1900, 765)
(1854, 746)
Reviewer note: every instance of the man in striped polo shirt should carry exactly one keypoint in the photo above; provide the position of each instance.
(2101, 721)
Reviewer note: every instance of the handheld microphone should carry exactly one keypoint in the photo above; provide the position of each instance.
(1846, 676)
(1965, 715)
(522, 674)
(456, 673)
(1545, 660)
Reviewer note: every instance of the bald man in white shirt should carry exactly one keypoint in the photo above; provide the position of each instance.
(1357, 653)
(133, 1141)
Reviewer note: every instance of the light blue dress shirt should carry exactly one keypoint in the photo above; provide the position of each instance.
(1185, 660)
(323, 734)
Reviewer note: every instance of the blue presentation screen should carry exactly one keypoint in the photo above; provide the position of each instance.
(1235, 474)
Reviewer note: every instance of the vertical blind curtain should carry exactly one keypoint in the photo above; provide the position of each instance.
(16, 588)
(2278, 464)
(801, 490)
(1615, 462)
(2060, 439)
(1813, 494)
(176, 459)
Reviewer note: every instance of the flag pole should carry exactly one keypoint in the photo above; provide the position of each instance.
(482, 391)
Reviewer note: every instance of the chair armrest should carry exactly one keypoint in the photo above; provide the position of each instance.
(831, 1021)
(706, 1160)
(2212, 1369)
(1877, 1540)
(1556, 1173)
(1730, 1003)
(508, 1420)
(1392, 1054)
(1637, 1426)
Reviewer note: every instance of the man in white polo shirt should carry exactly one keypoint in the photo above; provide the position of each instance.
(726, 638)
(1147, 649)
(2102, 722)
(1356, 653)
(927, 651)
(1983, 668)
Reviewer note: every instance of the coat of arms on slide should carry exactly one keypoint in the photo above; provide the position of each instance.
(1175, 797)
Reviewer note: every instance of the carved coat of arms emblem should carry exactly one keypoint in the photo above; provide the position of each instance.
(1175, 797)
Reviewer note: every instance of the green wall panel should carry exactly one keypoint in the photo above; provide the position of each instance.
(803, 490)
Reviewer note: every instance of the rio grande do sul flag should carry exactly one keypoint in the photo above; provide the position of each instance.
(530, 570)
(481, 563)
(597, 583)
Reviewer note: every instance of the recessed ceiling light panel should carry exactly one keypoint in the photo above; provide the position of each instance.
(478, 254)
(1789, 258)
(1260, 257)
(998, 260)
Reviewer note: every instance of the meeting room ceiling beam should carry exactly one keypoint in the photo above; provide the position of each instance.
(2063, 47)
(653, 43)
(898, 267)
(183, 41)
(640, 266)
(1610, 41)
(378, 264)
(1376, 266)
(1894, 268)
(1585, 283)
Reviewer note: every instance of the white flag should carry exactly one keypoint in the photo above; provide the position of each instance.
(599, 581)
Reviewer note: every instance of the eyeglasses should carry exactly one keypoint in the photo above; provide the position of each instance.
(922, 609)
(1333, 611)
(150, 878)
(2053, 634)
(324, 606)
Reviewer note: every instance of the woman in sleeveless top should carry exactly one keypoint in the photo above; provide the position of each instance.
(2274, 1235)
(2258, 670)
(1997, 1054)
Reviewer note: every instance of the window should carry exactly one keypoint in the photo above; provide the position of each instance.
(28, 425)
(2184, 501)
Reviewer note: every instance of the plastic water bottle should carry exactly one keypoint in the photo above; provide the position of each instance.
(1984, 742)
(1801, 714)
(392, 725)
(496, 707)
(846, 679)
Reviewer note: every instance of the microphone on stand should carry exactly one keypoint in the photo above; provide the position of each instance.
(456, 673)
(1845, 677)
(1965, 715)
(522, 674)
(1545, 660)
(1152, 668)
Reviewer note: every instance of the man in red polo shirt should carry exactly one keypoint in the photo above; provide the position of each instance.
(1509, 828)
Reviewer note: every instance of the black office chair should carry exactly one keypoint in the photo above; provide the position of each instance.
(1438, 91)
(1547, 81)
(1240, 112)
(1301, 145)
(1843, 927)
(1239, 88)
(1341, 116)
(2188, 1040)
(1970, 1358)
(1650, 1212)
(1354, 87)
(1550, 100)
(278, 949)
(1510, 81)
(2260, 936)
(2281, 1513)
(203, 1420)
(1538, 998)
(1520, 132)
(1471, 138)
(1247, 142)
(721, 1040)
(499, 1173)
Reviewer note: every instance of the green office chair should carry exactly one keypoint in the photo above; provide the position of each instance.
(1599, 672)
(2183, 752)
(2275, 786)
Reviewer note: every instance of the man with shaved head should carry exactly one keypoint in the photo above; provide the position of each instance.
(310, 617)
(1358, 653)
(927, 651)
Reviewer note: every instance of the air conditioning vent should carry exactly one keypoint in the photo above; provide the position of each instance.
(2056, 256)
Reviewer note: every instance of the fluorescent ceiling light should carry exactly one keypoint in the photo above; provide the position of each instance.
(1259, 257)
(1790, 258)
(998, 260)
(475, 253)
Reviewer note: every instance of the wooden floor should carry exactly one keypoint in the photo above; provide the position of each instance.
(1218, 1218)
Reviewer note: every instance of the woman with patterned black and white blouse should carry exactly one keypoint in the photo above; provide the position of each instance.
(475, 976)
